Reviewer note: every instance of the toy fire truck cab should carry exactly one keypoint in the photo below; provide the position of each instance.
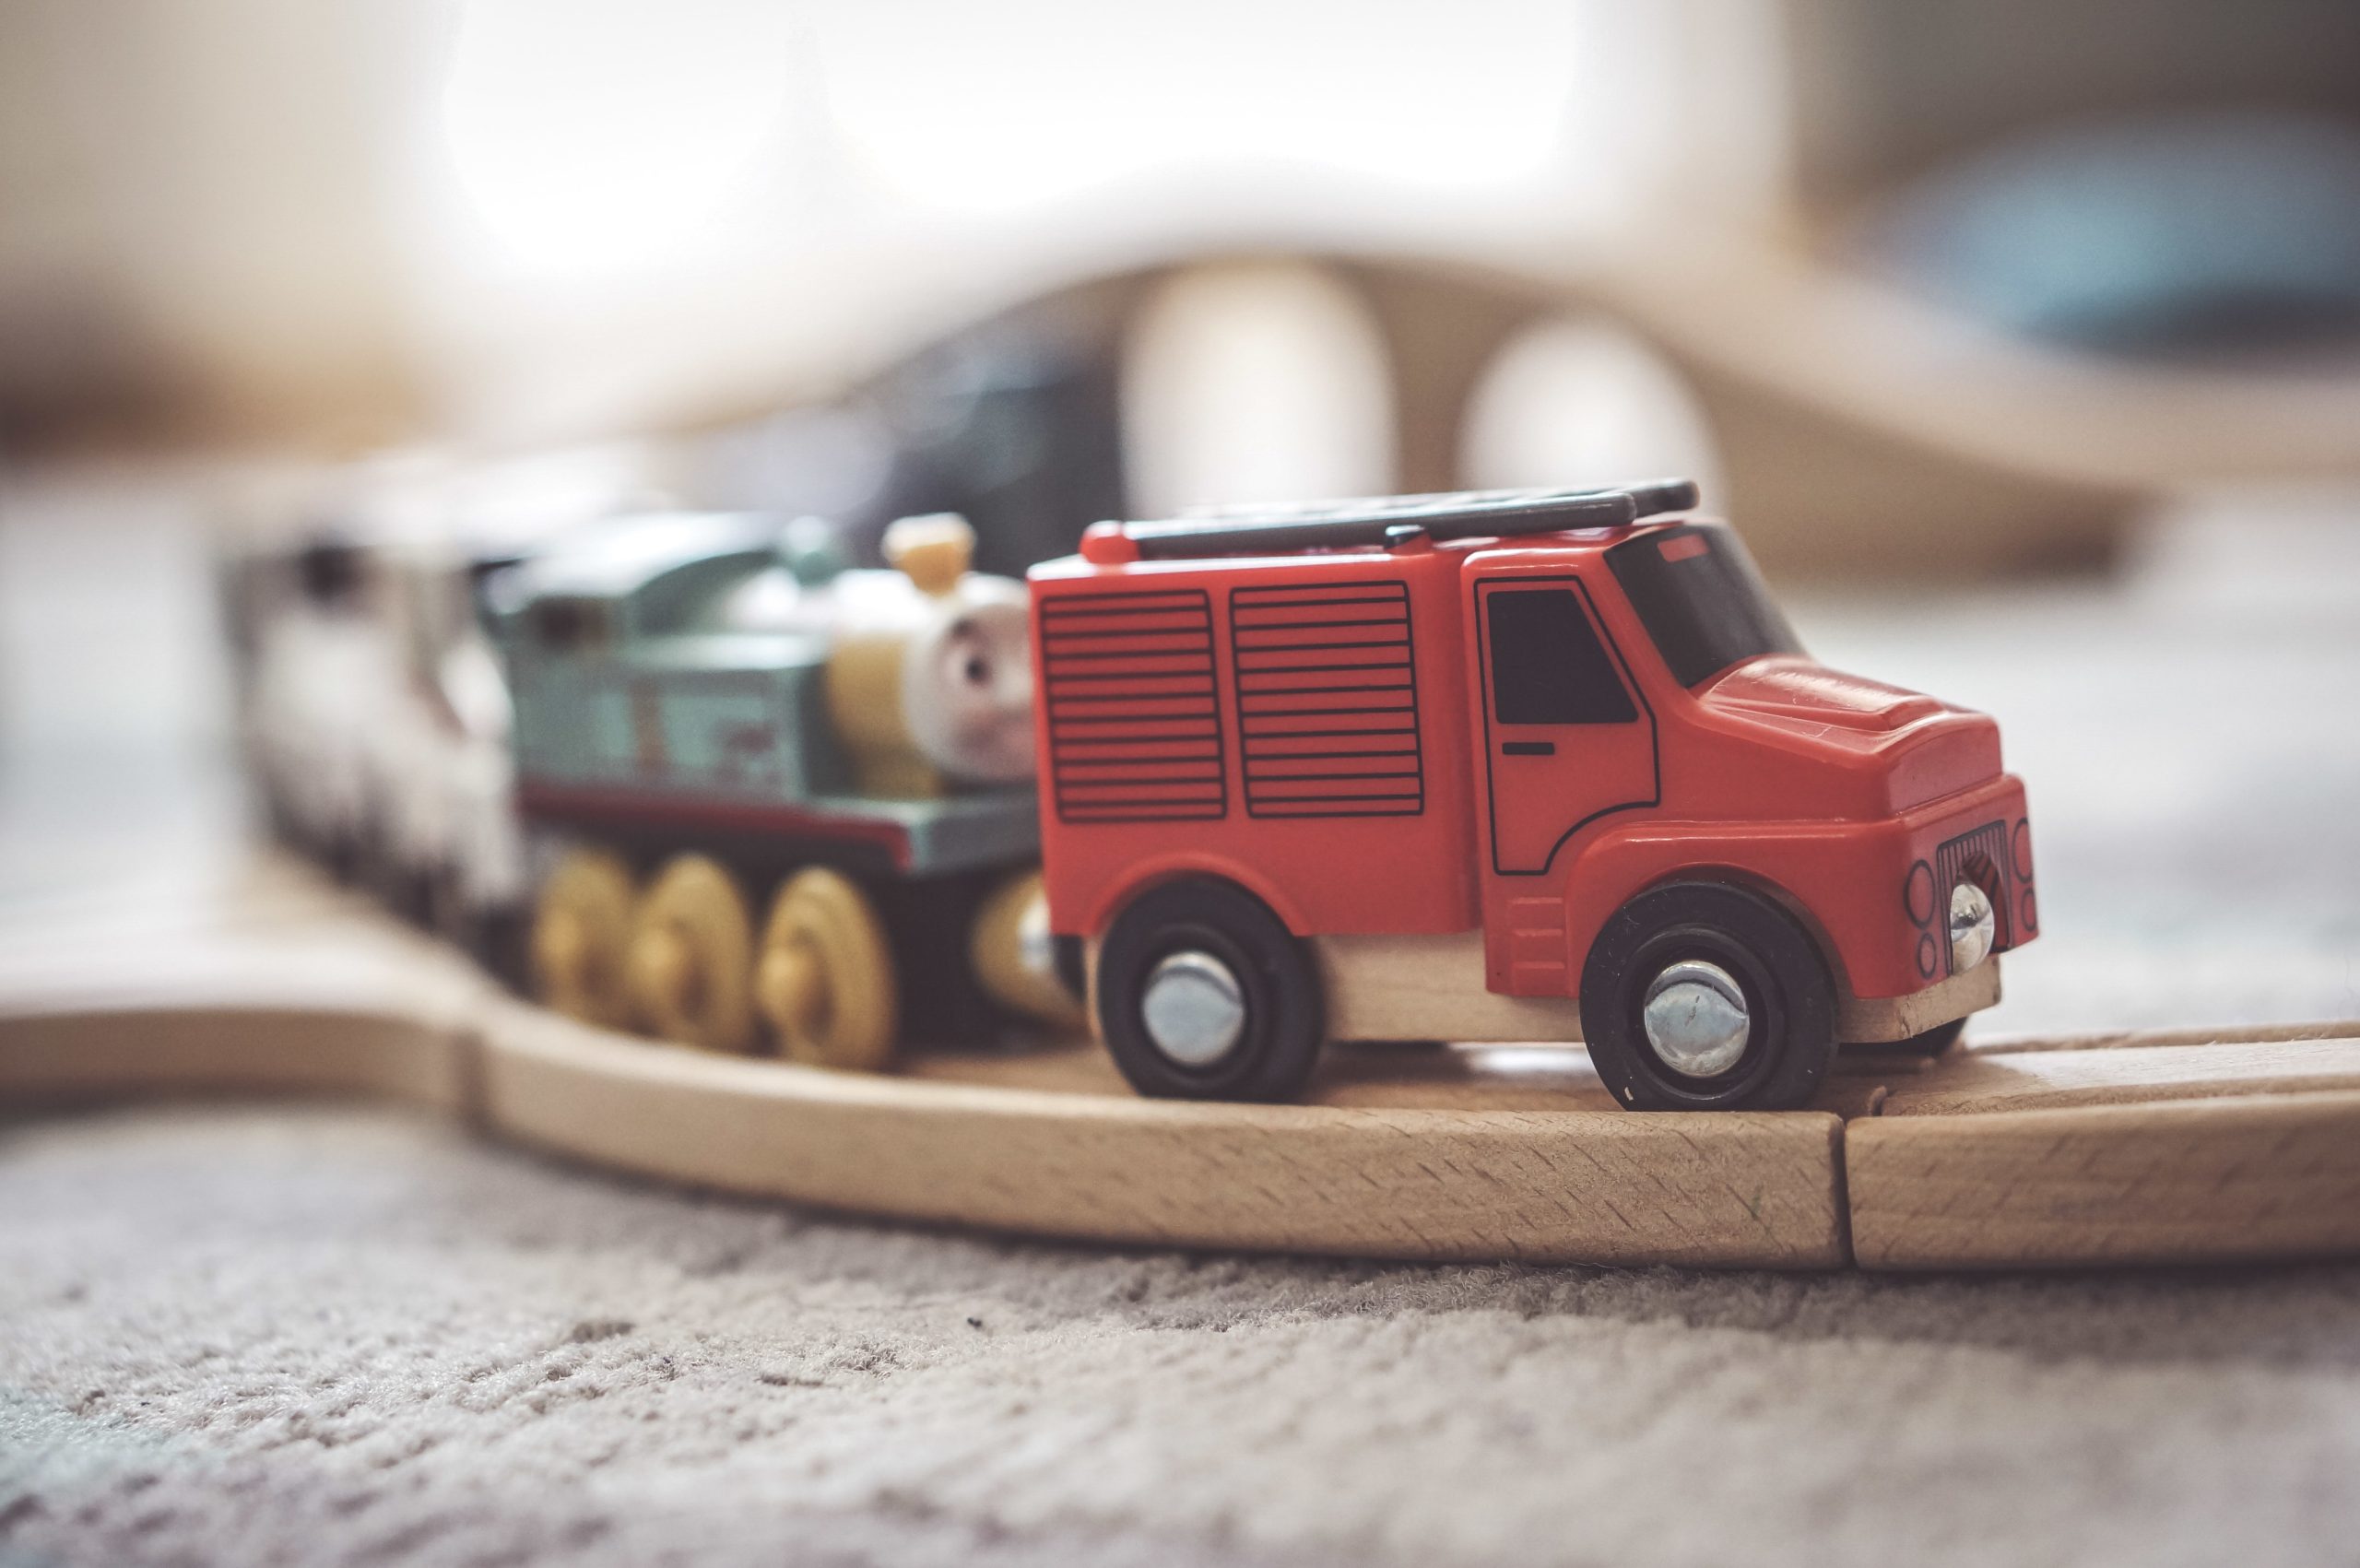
(1501, 767)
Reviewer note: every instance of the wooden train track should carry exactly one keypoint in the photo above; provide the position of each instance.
(2150, 1148)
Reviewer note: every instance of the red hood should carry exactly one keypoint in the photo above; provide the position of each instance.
(1928, 748)
(1800, 689)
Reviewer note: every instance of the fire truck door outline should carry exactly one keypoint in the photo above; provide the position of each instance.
(1484, 587)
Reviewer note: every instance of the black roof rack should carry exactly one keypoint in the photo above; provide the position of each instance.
(1458, 515)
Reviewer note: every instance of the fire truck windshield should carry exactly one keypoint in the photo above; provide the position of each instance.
(1697, 593)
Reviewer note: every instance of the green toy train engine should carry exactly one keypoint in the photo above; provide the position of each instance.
(714, 717)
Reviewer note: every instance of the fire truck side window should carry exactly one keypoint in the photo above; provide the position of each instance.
(1548, 666)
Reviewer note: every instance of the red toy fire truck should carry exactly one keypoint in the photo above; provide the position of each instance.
(1501, 767)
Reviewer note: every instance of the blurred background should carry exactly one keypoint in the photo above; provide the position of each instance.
(2022, 339)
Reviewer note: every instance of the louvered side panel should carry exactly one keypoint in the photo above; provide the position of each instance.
(1327, 700)
(1133, 714)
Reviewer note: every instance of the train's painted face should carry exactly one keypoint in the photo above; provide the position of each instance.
(967, 684)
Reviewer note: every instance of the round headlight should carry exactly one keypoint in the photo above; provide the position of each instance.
(1972, 927)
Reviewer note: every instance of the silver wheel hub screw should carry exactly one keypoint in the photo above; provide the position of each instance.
(1696, 1019)
(1194, 1009)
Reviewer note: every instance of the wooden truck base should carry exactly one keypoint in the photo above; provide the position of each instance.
(1431, 989)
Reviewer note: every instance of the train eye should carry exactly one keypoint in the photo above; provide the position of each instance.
(978, 670)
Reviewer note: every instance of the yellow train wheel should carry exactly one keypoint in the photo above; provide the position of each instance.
(825, 976)
(581, 938)
(1015, 958)
(692, 957)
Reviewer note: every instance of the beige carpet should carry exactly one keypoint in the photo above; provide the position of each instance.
(250, 1335)
(257, 1337)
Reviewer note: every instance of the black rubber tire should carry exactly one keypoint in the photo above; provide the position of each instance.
(503, 944)
(1285, 1022)
(344, 853)
(1775, 961)
(406, 891)
(448, 913)
(1073, 966)
(929, 921)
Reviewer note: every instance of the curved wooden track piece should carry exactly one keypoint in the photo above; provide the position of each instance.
(2186, 1146)
(1554, 1186)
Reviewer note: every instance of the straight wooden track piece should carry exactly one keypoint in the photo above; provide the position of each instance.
(339, 1002)
(142, 1052)
(2162, 1146)
(2173, 1181)
(1979, 1082)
